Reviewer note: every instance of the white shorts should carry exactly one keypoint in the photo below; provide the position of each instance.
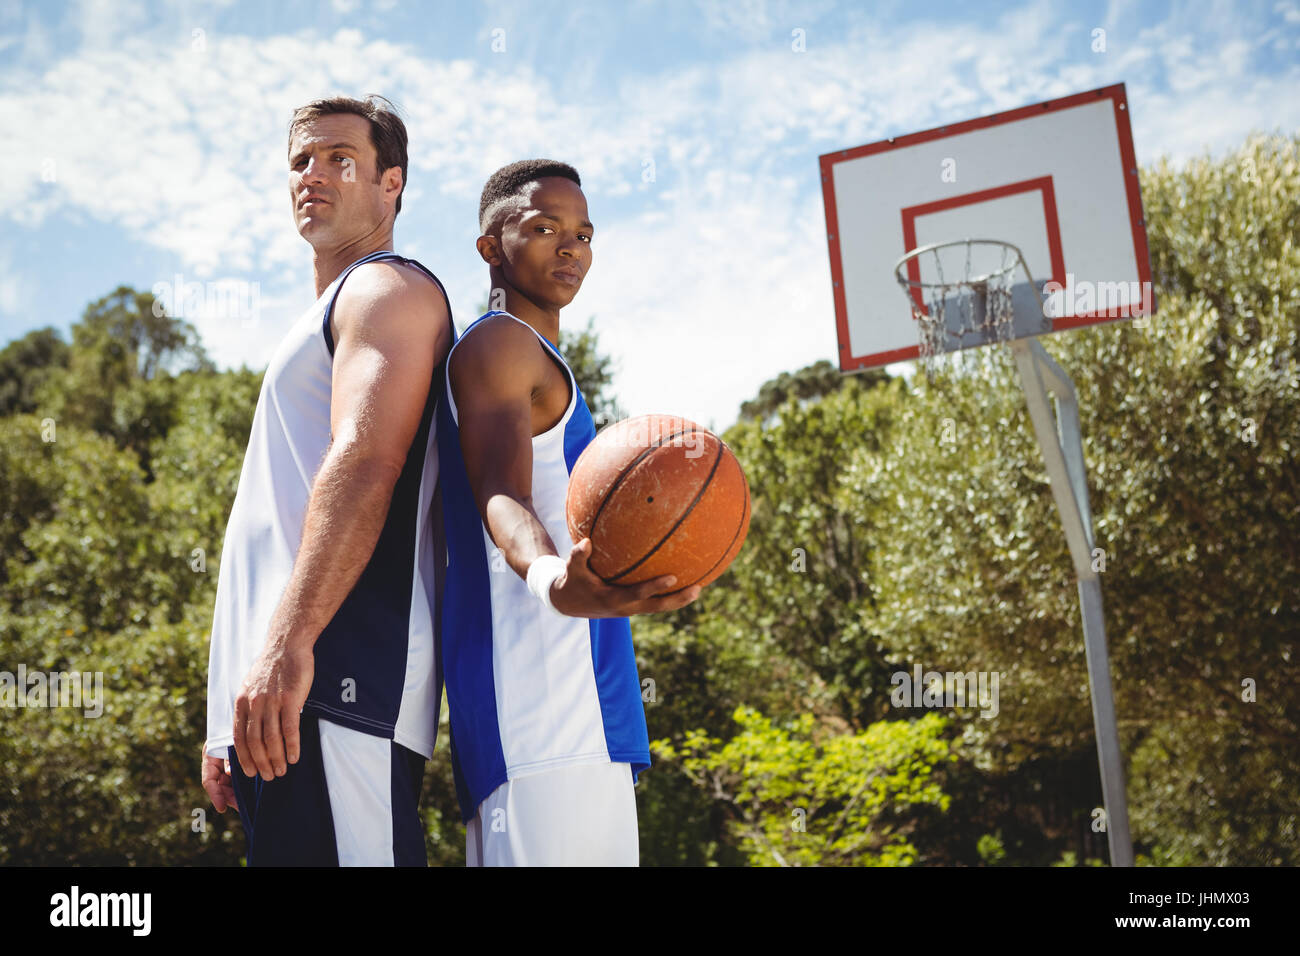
(582, 815)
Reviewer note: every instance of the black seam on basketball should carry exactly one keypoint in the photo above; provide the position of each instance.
(744, 513)
(685, 514)
(591, 532)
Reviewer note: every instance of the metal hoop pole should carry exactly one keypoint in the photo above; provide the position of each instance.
(1061, 441)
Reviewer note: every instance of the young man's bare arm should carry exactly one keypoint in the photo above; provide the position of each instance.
(493, 375)
(393, 330)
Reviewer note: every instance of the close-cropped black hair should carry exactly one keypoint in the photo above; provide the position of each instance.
(506, 183)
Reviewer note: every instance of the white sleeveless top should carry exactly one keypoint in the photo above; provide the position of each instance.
(528, 690)
(376, 660)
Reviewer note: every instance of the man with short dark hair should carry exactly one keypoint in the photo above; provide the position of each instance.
(548, 730)
(323, 681)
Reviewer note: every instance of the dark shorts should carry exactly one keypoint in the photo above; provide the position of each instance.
(352, 799)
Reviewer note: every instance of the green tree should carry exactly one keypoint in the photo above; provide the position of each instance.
(90, 588)
(795, 800)
(124, 353)
(957, 559)
(25, 364)
(196, 467)
(80, 526)
(100, 577)
(121, 787)
(809, 383)
(1190, 424)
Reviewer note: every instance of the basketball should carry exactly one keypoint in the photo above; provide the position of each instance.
(658, 494)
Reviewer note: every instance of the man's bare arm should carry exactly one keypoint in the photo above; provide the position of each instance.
(393, 330)
(493, 374)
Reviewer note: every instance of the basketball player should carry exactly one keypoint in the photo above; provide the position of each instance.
(547, 727)
(326, 597)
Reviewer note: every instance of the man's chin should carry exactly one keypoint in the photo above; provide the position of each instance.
(566, 295)
(313, 230)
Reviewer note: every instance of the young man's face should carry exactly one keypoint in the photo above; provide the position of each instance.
(332, 181)
(546, 242)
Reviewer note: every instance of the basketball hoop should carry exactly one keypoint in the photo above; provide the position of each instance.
(982, 301)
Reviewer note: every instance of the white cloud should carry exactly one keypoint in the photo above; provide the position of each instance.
(104, 22)
(703, 303)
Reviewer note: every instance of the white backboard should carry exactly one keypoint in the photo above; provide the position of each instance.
(1058, 179)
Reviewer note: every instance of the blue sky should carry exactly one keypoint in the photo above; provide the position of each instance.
(151, 145)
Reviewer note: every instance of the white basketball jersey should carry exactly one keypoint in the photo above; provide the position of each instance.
(376, 661)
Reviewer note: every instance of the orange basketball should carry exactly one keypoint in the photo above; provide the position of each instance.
(658, 495)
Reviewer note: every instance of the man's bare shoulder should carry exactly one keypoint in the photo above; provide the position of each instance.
(389, 283)
(499, 345)
(388, 295)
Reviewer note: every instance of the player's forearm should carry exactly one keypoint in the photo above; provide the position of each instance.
(345, 515)
(516, 529)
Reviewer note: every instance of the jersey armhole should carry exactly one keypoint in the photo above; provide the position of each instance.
(552, 353)
(381, 257)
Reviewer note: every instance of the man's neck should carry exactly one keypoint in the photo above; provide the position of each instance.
(328, 264)
(543, 321)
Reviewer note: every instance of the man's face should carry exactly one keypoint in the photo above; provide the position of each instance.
(546, 242)
(332, 180)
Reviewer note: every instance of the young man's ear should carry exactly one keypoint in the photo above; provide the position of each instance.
(489, 249)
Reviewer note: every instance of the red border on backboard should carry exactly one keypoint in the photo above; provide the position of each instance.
(1042, 184)
(1128, 161)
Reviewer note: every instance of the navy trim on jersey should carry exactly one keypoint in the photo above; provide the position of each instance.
(381, 256)
(366, 642)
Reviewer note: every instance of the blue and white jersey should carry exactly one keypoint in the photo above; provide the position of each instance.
(528, 690)
(376, 660)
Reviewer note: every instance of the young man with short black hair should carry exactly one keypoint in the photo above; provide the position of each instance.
(548, 730)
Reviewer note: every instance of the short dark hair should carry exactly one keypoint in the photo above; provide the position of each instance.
(387, 131)
(507, 182)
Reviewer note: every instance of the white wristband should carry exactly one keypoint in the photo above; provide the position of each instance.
(542, 574)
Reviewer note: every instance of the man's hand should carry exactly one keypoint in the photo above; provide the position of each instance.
(579, 591)
(267, 708)
(216, 781)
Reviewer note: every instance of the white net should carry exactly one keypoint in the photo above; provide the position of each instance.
(965, 305)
